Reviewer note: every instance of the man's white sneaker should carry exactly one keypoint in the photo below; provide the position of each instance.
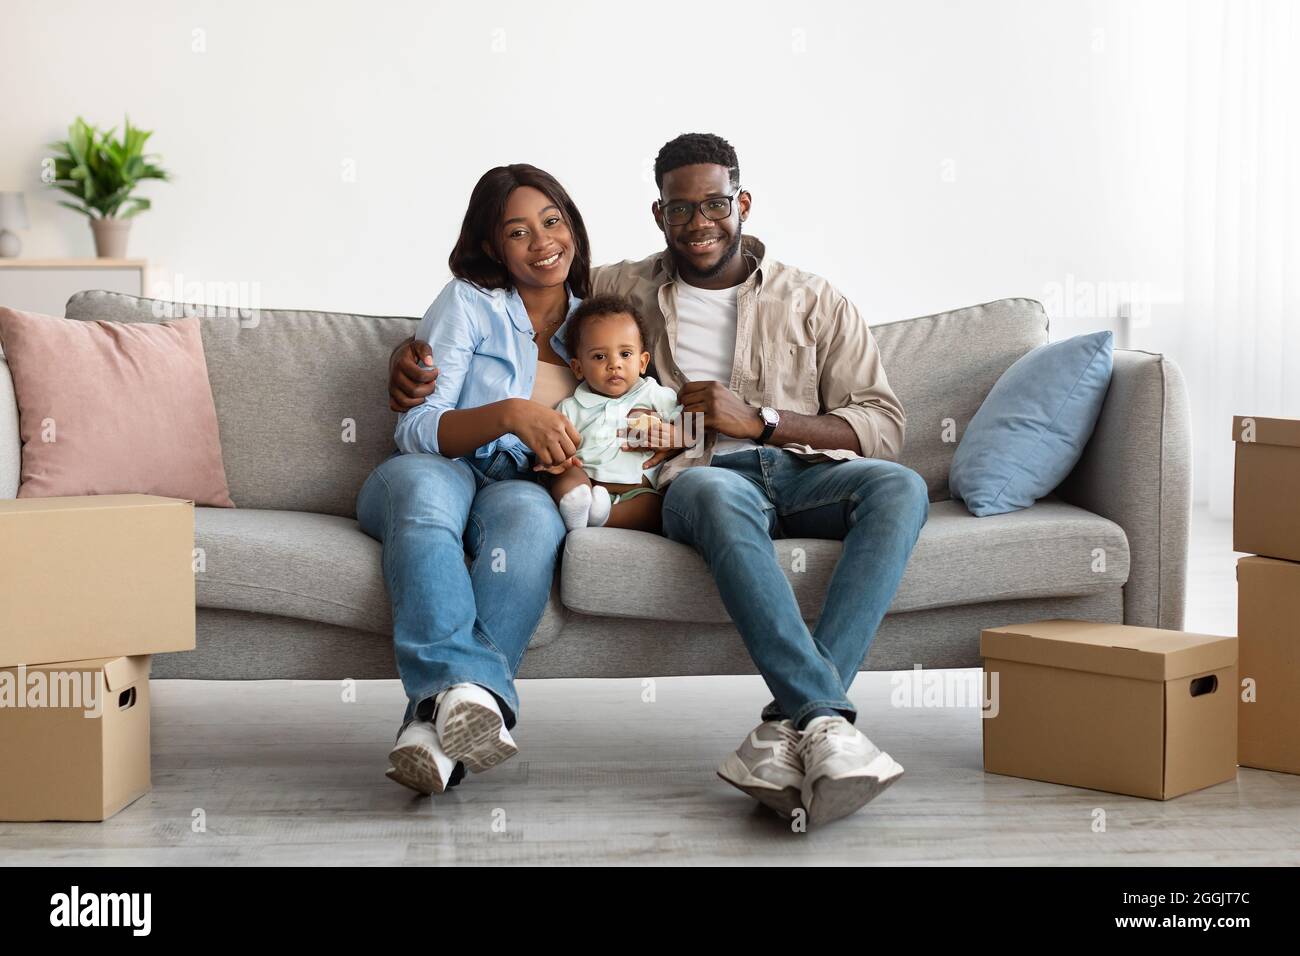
(419, 762)
(843, 770)
(767, 766)
(471, 728)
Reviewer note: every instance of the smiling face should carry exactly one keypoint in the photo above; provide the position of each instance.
(535, 242)
(611, 357)
(702, 248)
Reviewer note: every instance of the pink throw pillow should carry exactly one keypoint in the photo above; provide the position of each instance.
(111, 408)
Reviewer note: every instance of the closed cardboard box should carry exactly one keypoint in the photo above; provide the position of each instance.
(1133, 710)
(74, 738)
(1266, 487)
(1268, 638)
(95, 576)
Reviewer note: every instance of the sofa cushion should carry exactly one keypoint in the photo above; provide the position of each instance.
(1048, 550)
(1033, 425)
(301, 565)
(941, 367)
(129, 404)
(300, 396)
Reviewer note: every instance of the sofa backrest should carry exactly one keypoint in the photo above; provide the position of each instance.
(300, 396)
(941, 367)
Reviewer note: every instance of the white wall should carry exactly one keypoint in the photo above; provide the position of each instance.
(957, 152)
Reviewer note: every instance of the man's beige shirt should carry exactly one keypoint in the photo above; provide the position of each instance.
(801, 346)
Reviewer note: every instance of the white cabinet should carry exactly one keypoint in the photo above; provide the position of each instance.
(45, 285)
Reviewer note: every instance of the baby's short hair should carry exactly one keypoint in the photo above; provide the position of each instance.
(593, 308)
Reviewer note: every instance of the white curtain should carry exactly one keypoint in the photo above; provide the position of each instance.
(1242, 226)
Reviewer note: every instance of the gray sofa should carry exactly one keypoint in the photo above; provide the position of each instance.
(291, 588)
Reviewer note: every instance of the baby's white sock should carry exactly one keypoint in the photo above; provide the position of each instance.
(575, 506)
(600, 506)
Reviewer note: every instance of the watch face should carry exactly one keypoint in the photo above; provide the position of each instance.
(769, 415)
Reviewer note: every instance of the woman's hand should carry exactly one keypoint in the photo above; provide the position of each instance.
(409, 381)
(664, 438)
(548, 433)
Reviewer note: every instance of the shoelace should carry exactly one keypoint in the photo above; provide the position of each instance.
(789, 755)
(819, 743)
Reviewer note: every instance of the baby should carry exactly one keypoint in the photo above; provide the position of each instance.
(606, 342)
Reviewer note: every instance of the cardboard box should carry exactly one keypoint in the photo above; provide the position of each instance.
(1134, 710)
(1266, 487)
(1268, 638)
(74, 738)
(95, 576)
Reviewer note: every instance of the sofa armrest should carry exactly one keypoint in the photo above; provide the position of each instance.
(1136, 471)
(10, 444)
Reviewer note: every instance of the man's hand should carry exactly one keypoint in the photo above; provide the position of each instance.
(664, 438)
(409, 383)
(723, 411)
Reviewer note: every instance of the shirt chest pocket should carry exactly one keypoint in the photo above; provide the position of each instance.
(789, 377)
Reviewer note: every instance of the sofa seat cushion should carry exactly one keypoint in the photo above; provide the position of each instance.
(1051, 549)
(298, 564)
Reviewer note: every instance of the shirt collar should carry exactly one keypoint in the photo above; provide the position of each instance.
(589, 399)
(557, 340)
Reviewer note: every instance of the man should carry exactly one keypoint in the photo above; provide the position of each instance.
(801, 429)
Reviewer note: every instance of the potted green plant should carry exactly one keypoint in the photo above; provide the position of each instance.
(102, 171)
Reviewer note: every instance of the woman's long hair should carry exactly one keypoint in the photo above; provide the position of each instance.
(487, 207)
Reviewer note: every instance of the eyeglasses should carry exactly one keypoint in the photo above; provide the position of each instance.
(680, 212)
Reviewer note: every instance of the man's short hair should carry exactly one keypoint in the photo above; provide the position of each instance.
(692, 148)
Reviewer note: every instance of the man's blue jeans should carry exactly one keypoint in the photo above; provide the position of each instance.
(455, 622)
(731, 509)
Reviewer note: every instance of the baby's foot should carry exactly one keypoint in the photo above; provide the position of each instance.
(600, 506)
(575, 506)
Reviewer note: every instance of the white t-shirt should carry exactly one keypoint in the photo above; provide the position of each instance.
(706, 344)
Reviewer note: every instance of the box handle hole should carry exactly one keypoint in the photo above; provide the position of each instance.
(126, 699)
(1204, 685)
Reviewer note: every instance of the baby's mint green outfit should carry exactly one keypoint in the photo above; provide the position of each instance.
(598, 419)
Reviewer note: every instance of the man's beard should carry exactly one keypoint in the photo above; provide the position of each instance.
(687, 269)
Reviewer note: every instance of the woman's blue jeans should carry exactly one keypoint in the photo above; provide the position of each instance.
(457, 620)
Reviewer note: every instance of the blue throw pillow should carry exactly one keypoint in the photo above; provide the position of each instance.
(1031, 429)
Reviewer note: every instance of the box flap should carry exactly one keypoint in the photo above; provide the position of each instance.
(1267, 431)
(119, 672)
(84, 503)
(1145, 653)
(123, 672)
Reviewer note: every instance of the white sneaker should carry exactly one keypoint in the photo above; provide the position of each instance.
(418, 760)
(767, 766)
(471, 728)
(843, 770)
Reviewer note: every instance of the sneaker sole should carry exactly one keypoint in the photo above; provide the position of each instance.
(837, 797)
(784, 800)
(415, 767)
(476, 736)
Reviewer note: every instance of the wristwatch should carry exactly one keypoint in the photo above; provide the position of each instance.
(771, 418)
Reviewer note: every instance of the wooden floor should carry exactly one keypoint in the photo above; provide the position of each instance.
(288, 773)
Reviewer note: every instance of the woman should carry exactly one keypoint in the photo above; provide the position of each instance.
(466, 482)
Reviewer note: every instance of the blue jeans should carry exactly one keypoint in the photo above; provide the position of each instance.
(455, 622)
(731, 509)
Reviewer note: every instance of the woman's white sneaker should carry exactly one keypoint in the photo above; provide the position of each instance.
(843, 770)
(471, 728)
(418, 760)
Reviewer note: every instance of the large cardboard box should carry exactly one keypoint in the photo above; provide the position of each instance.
(95, 576)
(1266, 487)
(74, 738)
(1268, 638)
(1134, 710)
